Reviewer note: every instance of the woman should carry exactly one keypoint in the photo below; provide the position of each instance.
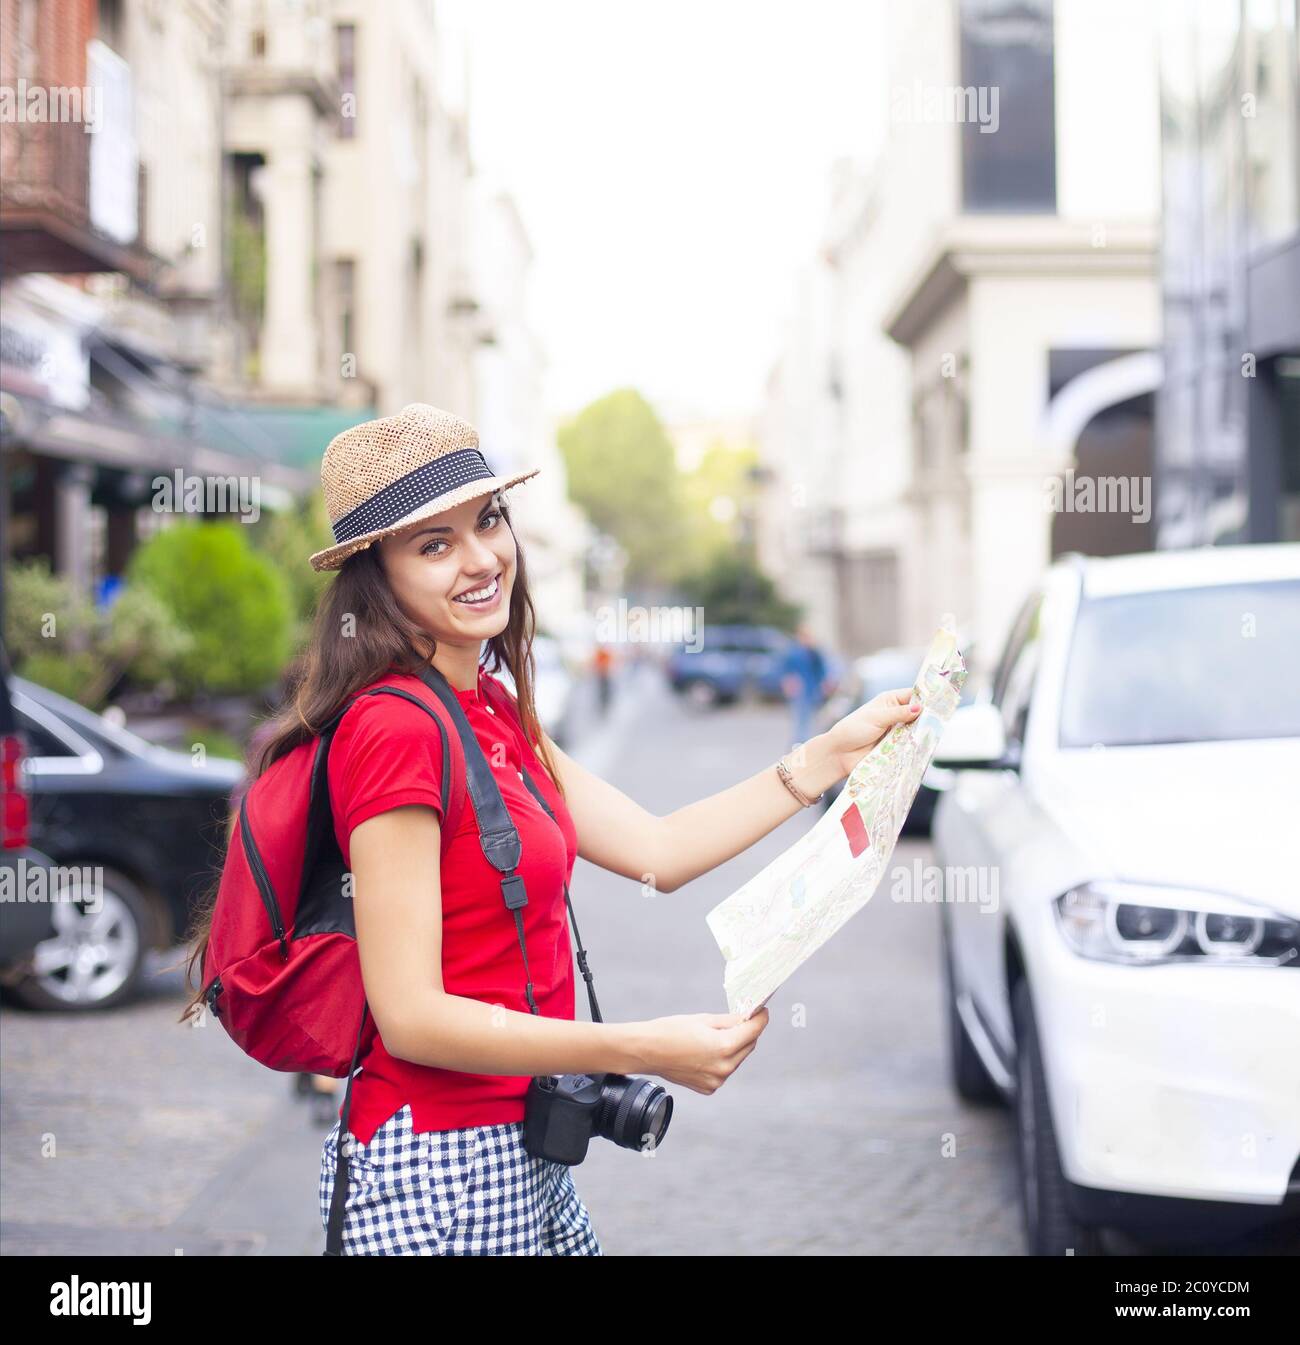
(430, 571)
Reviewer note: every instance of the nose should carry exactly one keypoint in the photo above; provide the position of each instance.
(480, 559)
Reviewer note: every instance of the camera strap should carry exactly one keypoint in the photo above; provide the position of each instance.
(498, 835)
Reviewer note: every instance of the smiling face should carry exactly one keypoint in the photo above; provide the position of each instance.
(436, 566)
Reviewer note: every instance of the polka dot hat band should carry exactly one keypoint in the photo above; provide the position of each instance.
(384, 475)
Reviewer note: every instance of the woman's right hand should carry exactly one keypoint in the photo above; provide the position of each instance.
(700, 1051)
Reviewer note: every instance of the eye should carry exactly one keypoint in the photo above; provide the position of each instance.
(492, 518)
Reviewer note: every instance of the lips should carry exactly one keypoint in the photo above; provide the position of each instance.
(485, 594)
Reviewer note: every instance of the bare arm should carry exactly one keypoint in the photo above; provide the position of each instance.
(398, 910)
(618, 834)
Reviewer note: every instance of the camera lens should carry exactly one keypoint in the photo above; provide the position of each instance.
(634, 1113)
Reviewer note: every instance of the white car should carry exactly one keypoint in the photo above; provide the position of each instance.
(553, 690)
(1131, 799)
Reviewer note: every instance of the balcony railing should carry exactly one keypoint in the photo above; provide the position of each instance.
(45, 216)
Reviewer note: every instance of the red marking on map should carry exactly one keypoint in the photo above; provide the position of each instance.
(855, 829)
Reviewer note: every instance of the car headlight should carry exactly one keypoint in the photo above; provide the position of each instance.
(1142, 924)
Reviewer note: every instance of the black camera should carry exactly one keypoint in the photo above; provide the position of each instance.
(563, 1111)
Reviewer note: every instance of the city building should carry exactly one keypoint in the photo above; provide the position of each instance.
(230, 229)
(110, 276)
(981, 328)
(1228, 413)
(396, 211)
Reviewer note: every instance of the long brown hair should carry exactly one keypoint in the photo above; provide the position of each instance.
(359, 634)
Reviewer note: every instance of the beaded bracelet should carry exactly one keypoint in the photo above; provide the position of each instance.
(788, 781)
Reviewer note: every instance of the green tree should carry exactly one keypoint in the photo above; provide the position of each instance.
(143, 639)
(719, 495)
(623, 475)
(233, 602)
(733, 591)
(45, 615)
(58, 639)
(51, 631)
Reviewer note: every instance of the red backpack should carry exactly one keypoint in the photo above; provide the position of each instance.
(282, 972)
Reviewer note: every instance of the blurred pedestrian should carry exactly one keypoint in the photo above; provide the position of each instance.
(804, 680)
(602, 663)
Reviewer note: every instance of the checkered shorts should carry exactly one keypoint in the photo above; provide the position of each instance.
(470, 1192)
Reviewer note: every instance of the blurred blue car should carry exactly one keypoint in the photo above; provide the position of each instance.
(554, 690)
(731, 660)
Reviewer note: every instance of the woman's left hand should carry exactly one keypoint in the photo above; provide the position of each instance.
(852, 737)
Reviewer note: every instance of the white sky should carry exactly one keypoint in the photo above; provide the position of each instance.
(671, 163)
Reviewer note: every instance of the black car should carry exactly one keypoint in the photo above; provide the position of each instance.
(24, 871)
(142, 826)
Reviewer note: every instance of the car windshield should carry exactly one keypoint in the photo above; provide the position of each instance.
(1184, 665)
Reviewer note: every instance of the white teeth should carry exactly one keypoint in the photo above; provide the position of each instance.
(479, 594)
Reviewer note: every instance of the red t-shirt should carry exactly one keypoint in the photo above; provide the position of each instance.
(387, 753)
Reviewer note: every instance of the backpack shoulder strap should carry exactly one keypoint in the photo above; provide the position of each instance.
(454, 792)
(453, 799)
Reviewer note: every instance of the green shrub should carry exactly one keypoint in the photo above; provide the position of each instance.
(231, 602)
(216, 742)
(733, 591)
(45, 616)
(144, 639)
(81, 677)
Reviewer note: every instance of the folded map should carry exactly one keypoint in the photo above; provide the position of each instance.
(776, 921)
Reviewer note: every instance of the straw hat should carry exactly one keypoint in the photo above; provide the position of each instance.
(382, 476)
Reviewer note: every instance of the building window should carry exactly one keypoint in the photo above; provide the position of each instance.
(867, 609)
(1008, 78)
(1286, 374)
(1270, 121)
(110, 26)
(345, 41)
(920, 437)
(346, 280)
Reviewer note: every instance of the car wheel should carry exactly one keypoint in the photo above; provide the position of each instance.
(969, 1077)
(702, 695)
(1050, 1228)
(96, 958)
